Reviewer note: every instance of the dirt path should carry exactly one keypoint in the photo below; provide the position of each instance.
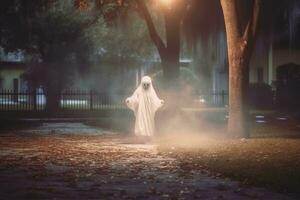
(56, 166)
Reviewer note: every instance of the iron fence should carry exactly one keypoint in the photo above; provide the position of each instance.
(83, 100)
(69, 100)
(219, 98)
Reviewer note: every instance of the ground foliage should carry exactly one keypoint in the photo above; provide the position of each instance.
(115, 167)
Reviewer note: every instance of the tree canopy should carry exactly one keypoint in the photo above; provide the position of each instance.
(56, 33)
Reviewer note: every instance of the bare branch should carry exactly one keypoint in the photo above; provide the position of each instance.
(151, 27)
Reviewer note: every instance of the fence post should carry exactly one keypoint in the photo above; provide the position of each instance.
(91, 99)
(34, 99)
(223, 98)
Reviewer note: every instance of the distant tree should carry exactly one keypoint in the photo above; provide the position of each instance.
(53, 35)
(241, 29)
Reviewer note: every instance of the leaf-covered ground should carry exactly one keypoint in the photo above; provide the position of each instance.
(273, 163)
(54, 165)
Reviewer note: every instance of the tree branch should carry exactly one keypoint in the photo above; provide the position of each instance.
(251, 28)
(151, 27)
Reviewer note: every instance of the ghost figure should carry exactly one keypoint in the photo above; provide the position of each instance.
(144, 103)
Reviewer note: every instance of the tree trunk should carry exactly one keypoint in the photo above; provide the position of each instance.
(52, 100)
(171, 56)
(170, 61)
(238, 84)
(240, 44)
(169, 52)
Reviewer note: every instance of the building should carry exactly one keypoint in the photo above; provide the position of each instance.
(11, 76)
(277, 47)
(266, 59)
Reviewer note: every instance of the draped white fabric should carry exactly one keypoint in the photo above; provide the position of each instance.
(144, 103)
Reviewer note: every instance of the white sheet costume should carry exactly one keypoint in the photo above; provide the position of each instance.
(144, 103)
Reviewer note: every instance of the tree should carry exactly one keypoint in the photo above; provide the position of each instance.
(241, 29)
(172, 12)
(53, 35)
(123, 41)
(170, 51)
